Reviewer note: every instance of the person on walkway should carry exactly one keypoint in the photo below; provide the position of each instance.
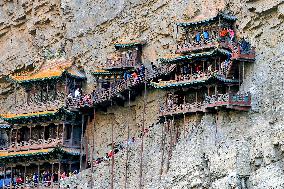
(206, 35)
(77, 93)
(232, 34)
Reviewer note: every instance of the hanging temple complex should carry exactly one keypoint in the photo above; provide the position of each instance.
(47, 131)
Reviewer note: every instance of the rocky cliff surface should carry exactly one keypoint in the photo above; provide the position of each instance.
(226, 150)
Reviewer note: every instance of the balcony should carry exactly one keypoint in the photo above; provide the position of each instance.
(124, 60)
(34, 145)
(181, 109)
(42, 144)
(231, 101)
(195, 47)
(193, 79)
(241, 102)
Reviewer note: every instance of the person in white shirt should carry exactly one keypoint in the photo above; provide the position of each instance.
(77, 93)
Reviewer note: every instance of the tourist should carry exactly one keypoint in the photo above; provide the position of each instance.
(232, 34)
(223, 33)
(206, 35)
(197, 37)
(125, 75)
(154, 67)
(77, 93)
(135, 76)
(142, 68)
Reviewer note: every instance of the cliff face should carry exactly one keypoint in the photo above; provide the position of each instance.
(227, 150)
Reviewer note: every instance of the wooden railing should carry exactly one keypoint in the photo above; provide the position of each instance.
(102, 95)
(34, 145)
(191, 47)
(36, 107)
(243, 99)
(124, 61)
(181, 109)
(229, 100)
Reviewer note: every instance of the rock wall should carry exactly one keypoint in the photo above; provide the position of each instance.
(223, 150)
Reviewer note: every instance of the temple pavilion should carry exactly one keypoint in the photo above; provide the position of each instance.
(120, 72)
(43, 135)
(210, 67)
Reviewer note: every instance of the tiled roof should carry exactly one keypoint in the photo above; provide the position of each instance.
(220, 15)
(51, 69)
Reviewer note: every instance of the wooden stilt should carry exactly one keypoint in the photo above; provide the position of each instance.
(72, 133)
(239, 76)
(11, 176)
(63, 133)
(162, 148)
(38, 174)
(112, 157)
(243, 73)
(16, 138)
(59, 170)
(25, 172)
(171, 145)
(142, 139)
(81, 146)
(52, 174)
(93, 149)
(127, 143)
(4, 176)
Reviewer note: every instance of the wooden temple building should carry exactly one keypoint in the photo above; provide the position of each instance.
(210, 67)
(45, 131)
(44, 136)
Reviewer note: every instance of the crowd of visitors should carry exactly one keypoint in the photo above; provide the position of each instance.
(46, 178)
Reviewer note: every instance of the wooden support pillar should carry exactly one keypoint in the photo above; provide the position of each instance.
(184, 119)
(30, 132)
(208, 90)
(4, 175)
(112, 157)
(11, 176)
(216, 89)
(16, 141)
(81, 146)
(38, 174)
(15, 91)
(70, 166)
(196, 97)
(52, 174)
(55, 90)
(43, 136)
(28, 97)
(142, 138)
(243, 71)
(163, 147)
(203, 68)
(127, 143)
(63, 132)
(72, 133)
(239, 76)
(25, 172)
(10, 137)
(59, 170)
(57, 132)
